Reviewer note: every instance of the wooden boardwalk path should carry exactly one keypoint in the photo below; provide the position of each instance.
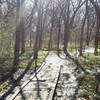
(54, 77)
(42, 89)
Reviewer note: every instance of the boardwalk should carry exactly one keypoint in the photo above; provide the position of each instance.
(42, 89)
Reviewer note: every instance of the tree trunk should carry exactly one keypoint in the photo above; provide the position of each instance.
(82, 31)
(97, 36)
(17, 37)
(22, 33)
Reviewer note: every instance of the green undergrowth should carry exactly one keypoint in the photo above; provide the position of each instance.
(89, 82)
(90, 61)
(24, 60)
(84, 94)
(4, 86)
(5, 64)
(88, 86)
(72, 49)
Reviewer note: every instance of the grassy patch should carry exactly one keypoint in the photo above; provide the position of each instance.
(72, 49)
(89, 61)
(84, 94)
(4, 86)
(25, 58)
(88, 86)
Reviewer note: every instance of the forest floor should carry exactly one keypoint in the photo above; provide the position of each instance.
(68, 85)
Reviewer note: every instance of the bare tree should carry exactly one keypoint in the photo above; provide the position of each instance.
(97, 35)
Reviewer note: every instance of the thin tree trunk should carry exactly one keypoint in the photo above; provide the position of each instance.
(17, 37)
(22, 37)
(97, 36)
(82, 30)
